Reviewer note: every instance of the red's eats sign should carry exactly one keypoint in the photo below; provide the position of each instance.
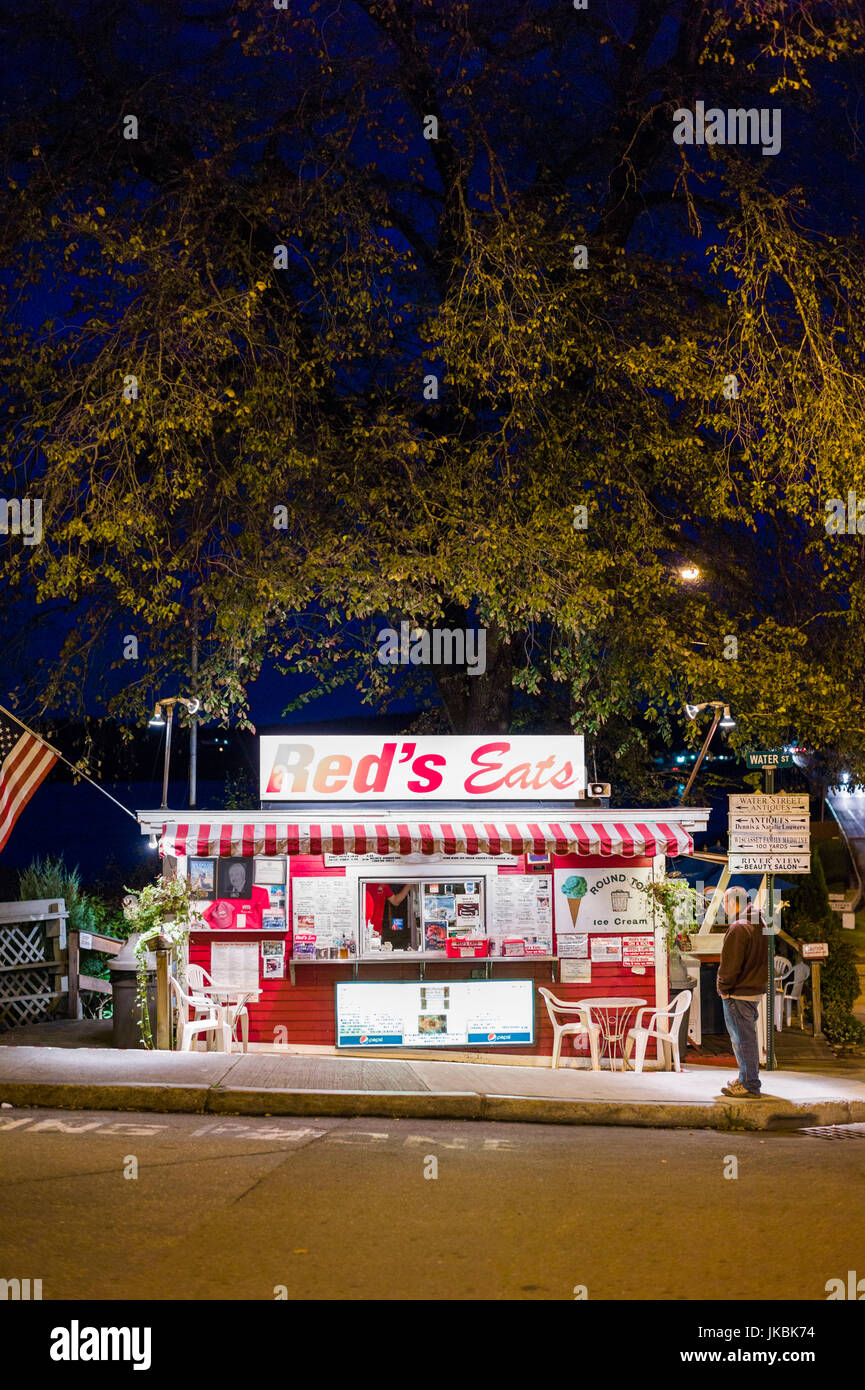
(356, 767)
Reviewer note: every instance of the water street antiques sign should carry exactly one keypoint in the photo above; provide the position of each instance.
(769, 834)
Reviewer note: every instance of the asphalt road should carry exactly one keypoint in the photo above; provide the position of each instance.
(239, 1208)
(849, 809)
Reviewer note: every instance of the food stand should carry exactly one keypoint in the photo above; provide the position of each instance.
(426, 921)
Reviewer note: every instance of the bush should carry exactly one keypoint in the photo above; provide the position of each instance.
(834, 862)
(50, 878)
(842, 1028)
(809, 917)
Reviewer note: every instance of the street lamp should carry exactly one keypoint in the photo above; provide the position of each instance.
(722, 717)
(689, 573)
(157, 721)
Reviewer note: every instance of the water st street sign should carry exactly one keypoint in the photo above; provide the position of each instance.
(769, 758)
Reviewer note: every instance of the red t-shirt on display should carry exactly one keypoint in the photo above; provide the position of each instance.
(377, 895)
(222, 915)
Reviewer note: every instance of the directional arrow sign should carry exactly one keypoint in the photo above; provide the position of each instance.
(769, 863)
(770, 804)
(771, 832)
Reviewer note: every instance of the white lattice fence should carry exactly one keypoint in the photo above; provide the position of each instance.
(32, 960)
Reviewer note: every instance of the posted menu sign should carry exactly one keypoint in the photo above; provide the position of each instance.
(467, 1013)
(769, 834)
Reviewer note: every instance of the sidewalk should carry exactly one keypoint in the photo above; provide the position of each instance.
(99, 1078)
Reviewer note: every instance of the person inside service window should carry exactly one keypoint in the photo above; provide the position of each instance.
(383, 901)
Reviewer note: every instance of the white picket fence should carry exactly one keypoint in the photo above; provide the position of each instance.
(33, 960)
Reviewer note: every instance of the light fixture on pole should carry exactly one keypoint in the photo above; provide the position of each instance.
(690, 573)
(723, 717)
(156, 722)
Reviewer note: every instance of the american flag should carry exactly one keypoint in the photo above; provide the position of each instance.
(25, 762)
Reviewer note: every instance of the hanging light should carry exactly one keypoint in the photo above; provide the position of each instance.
(157, 720)
(727, 722)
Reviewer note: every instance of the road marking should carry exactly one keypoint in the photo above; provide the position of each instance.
(233, 1129)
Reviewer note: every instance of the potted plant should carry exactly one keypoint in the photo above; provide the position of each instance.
(676, 901)
(161, 915)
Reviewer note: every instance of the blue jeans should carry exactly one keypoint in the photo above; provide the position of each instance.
(740, 1016)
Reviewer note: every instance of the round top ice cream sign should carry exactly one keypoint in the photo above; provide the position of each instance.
(599, 900)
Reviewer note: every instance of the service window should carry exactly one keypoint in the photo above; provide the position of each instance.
(452, 908)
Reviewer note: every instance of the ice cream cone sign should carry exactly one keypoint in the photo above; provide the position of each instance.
(574, 889)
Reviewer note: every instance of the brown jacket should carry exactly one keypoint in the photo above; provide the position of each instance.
(744, 960)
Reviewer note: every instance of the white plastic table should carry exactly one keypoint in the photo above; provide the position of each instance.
(612, 1015)
(227, 997)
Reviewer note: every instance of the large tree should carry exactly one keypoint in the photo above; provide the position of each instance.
(374, 377)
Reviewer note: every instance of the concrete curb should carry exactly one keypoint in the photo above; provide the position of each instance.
(171, 1097)
(771, 1114)
(416, 1105)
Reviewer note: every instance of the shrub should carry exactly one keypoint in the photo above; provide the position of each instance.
(809, 917)
(50, 878)
(841, 1027)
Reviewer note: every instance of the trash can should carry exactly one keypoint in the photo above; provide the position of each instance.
(711, 1003)
(124, 989)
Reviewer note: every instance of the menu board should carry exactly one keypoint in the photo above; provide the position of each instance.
(638, 950)
(466, 1013)
(608, 949)
(324, 908)
(234, 964)
(573, 946)
(520, 905)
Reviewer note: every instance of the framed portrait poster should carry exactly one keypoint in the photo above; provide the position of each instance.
(202, 877)
(234, 878)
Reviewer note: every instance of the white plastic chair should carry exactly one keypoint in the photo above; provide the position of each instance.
(791, 994)
(584, 1027)
(191, 1027)
(783, 967)
(237, 1013)
(663, 1024)
(199, 979)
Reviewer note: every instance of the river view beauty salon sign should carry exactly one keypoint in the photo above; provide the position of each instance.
(473, 768)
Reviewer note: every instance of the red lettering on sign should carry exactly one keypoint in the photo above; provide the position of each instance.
(423, 767)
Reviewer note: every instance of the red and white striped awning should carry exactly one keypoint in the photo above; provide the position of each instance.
(609, 838)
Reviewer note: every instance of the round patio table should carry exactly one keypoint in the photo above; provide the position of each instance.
(226, 998)
(612, 1015)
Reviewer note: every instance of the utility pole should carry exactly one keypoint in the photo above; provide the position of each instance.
(193, 725)
(769, 788)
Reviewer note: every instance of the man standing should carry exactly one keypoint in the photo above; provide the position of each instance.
(741, 985)
(381, 899)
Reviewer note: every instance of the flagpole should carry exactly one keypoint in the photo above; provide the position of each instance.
(58, 754)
